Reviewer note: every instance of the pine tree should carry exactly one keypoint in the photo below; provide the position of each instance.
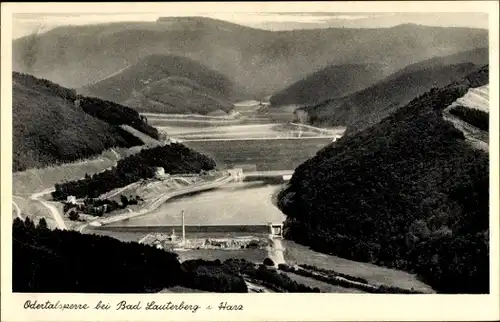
(42, 224)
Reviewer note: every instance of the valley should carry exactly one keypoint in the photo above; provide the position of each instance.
(196, 154)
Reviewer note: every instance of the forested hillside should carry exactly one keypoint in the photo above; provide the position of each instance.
(52, 124)
(408, 192)
(55, 261)
(167, 84)
(262, 62)
(329, 82)
(369, 106)
(366, 107)
(49, 128)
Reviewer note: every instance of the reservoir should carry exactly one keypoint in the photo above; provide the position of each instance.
(248, 205)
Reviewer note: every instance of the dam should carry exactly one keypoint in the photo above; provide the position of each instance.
(265, 237)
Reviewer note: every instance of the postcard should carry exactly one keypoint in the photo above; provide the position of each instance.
(195, 161)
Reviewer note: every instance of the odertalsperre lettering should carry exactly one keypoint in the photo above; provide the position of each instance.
(169, 306)
(48, 305)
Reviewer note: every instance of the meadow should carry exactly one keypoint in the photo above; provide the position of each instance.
(324, 287)
(376, 275)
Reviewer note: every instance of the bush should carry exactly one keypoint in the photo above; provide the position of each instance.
(213, 276)
(74, 216)
(268, 262)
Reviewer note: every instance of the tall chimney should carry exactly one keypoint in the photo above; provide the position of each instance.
(183, 229)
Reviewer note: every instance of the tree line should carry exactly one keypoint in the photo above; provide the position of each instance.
(478, 118)
(116, 114)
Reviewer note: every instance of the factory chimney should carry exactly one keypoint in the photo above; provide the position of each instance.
(183, 229)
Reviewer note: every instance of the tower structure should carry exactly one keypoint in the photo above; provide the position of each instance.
(183, 229)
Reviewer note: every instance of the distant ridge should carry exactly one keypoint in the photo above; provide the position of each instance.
(260, 61)
(329, 82)
(370, 105)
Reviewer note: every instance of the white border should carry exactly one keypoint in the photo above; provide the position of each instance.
(279, 307)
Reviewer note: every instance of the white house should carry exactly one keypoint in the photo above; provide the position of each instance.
(160, 173)
(71, 200)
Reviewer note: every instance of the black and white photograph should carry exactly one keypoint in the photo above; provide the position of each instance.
(250, 152)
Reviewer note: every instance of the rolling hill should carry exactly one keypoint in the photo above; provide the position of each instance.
(260, 61)
(332, 81)
(166, 84)
(408, 192)
(52, 125)
(368, 106)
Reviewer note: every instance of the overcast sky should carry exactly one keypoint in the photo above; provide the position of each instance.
(26, 23)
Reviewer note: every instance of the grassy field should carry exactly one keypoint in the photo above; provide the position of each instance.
(181, 289)
(27, 182)
(324, 287)
(253, 255)
(34, 209)
(298, 254)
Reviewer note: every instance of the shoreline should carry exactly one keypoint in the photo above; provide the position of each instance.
(158, 201)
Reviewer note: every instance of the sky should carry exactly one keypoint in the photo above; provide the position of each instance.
(27, 23)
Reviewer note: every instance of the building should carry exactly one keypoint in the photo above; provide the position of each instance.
(71, 200)
(160, 173)
(276, 230)
(236, 173)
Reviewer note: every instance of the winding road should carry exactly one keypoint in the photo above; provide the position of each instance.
(18, 210)
(53, 210)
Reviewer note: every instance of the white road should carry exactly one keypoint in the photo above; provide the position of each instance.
(18, 210)
(53, 210)
(112, 194)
